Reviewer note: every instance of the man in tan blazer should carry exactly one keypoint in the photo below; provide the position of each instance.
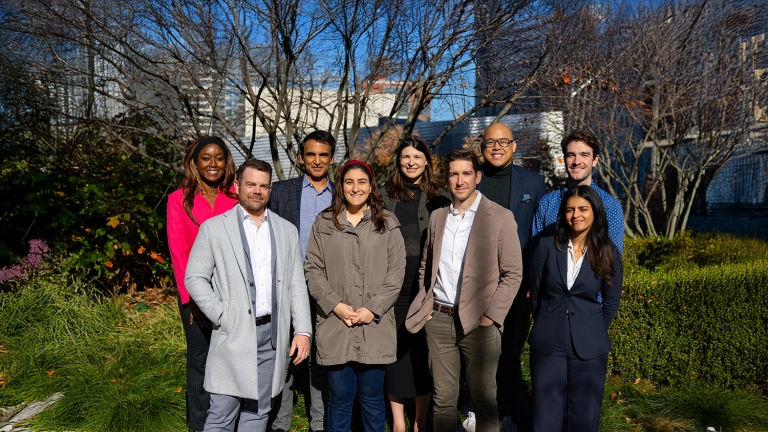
(470, 272)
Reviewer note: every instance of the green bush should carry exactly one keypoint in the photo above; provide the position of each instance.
(118, 370)
(691, 319)
(104, 207)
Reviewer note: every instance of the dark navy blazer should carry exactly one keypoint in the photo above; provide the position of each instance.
(526, 189)
(550, 299)
(285, 199)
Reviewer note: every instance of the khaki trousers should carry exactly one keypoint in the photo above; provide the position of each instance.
(480, 349)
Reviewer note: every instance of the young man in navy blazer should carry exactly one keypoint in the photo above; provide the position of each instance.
(519, 190)
(299, 200)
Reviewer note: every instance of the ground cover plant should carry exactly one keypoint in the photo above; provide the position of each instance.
(688, 346)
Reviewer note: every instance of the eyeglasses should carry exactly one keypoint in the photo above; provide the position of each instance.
(502, 142)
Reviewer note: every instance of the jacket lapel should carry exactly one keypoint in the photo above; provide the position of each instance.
(562, 264)
(238, 241)
(515, 191)
(438, 242)
(275, 276)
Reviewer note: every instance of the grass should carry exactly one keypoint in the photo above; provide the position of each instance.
(118, 369)
(122, 368)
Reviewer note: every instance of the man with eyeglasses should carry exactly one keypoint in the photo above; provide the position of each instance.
(519, 190)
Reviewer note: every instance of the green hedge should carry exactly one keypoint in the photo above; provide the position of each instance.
(706, 323)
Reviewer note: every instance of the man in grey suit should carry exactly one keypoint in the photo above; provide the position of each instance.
(246, 274)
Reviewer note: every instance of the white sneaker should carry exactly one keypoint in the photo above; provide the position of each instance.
(469, 424)
(507, 425)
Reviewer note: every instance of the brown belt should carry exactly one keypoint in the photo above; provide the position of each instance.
(450, 310)
(266, 319)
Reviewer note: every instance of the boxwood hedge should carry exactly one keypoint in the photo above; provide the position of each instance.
(693, 322)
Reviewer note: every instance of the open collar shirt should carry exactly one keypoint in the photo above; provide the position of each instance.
(312, 203)
(260, 251)
(574, 265)
(451, 266)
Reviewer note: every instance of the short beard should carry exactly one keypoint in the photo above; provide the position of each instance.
(253, 207)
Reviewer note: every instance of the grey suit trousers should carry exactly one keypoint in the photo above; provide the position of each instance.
(254, 414)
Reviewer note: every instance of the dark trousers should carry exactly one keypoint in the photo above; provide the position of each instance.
(198, 340)
(562, 381)
(509, 377)
(480, 350)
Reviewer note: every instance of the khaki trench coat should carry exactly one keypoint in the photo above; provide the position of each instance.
(361, 268)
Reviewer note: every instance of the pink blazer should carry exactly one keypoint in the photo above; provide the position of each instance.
(182, 231)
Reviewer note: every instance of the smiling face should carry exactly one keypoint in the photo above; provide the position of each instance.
(462, 180)
(210, 164)
(357, 187)
(412, 164)
(316, 159)
(579, 161)
(497, 155)
(579, 215)
(253, 191)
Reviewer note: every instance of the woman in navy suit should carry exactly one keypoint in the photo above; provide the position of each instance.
(569, 340)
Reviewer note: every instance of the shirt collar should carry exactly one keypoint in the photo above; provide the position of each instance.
(305, 182)
(244, 215)
(472, 208)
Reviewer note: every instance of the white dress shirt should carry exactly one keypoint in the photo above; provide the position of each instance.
(574, 265)
(451, 266)
(260, 247)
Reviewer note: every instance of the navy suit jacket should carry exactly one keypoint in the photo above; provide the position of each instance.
(285, 199)
(526, 189)
(550, 299)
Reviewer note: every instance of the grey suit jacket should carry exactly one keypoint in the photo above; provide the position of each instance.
(492, 272)
(217, 279)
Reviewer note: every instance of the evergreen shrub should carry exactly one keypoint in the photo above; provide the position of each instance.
(699, 314)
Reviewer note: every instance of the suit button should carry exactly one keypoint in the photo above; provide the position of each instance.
(421, 218)
(573, 313)
(251, 283)
(249, 311)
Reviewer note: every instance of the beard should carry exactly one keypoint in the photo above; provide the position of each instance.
(253, 205)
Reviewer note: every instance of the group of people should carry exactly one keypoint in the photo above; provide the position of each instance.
(390, 289)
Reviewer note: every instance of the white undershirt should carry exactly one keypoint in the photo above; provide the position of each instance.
(451, 266)
(260, 247)
(574, 265)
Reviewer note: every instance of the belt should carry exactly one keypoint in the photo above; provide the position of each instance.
(264, 319)
(450, 310)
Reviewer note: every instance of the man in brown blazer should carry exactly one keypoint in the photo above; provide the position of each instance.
(470, 272)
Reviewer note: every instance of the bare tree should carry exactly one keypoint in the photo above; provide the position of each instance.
(280, 68)
(668, 90)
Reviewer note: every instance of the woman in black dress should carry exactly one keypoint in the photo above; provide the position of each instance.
(412, 194)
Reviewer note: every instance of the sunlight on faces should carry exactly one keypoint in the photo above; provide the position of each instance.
(579, 161)
(496, 155)
(316, 159)
(412, 164)
(462, 180)
(357, 187)
(579, 215)
(211, 163)
(253, 191)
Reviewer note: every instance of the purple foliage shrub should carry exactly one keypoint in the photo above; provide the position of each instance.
(33, 260)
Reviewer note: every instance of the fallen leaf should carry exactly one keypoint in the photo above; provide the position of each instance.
(163, 371)
(113, 380)
(178, 390)
(614, 395)
(50, 372)
(637, 381)
(141, 249)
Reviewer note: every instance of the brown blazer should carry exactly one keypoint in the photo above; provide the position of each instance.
(493, 268)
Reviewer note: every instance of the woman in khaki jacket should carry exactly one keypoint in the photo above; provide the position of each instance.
(354, 267)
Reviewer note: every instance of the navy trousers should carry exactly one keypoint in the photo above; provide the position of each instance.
(562, 382)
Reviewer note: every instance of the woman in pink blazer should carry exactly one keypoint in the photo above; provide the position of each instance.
(205, 192)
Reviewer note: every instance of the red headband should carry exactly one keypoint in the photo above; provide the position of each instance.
(357, 162)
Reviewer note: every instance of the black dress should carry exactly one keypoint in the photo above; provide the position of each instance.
(409, 376)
